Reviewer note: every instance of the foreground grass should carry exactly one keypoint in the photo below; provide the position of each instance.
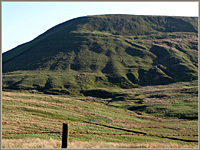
(28, 113)
(51, 143)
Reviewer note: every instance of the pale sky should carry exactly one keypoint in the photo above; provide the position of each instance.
(23, 21)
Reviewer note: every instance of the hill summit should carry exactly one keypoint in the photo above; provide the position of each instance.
(122, 51)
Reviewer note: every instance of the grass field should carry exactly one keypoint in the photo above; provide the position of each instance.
(166, 117)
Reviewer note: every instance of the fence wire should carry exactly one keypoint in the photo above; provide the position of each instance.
(169, 136)
(99, 133)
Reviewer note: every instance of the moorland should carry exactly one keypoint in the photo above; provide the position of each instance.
(119, 81)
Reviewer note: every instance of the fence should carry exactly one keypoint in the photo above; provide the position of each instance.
(65, 134)
(100, 133)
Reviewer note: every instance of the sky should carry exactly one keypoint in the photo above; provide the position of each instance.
(24, 21)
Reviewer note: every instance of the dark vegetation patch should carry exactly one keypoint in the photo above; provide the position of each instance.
(190, 91)
(158, 96)
(101, 93)
(138, 108)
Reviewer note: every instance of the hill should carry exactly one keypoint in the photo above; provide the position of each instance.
(117, 80)
(121, 51)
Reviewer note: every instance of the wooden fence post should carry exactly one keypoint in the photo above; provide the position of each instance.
(65, 135)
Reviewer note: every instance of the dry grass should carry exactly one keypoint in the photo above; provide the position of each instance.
(30, 143)
(51, 143)
(19, 116)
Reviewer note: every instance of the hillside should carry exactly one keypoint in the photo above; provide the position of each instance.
(148, 117)
(121, 51)
(120, 81)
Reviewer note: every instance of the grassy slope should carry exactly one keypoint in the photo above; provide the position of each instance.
(106, 60)
(121, 50)
(79, 57)
(112, 24)
(26, 112)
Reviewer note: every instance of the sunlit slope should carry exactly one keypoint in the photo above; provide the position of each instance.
(108, 50)
(163, 113)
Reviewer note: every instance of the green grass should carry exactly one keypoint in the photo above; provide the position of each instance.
(28, 112)
(118, 71)
(126, 52)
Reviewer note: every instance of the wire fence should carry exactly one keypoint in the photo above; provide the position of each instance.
(99, 133)
(127, 132)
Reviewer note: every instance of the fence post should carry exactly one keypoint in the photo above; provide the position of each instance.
(65, 135)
